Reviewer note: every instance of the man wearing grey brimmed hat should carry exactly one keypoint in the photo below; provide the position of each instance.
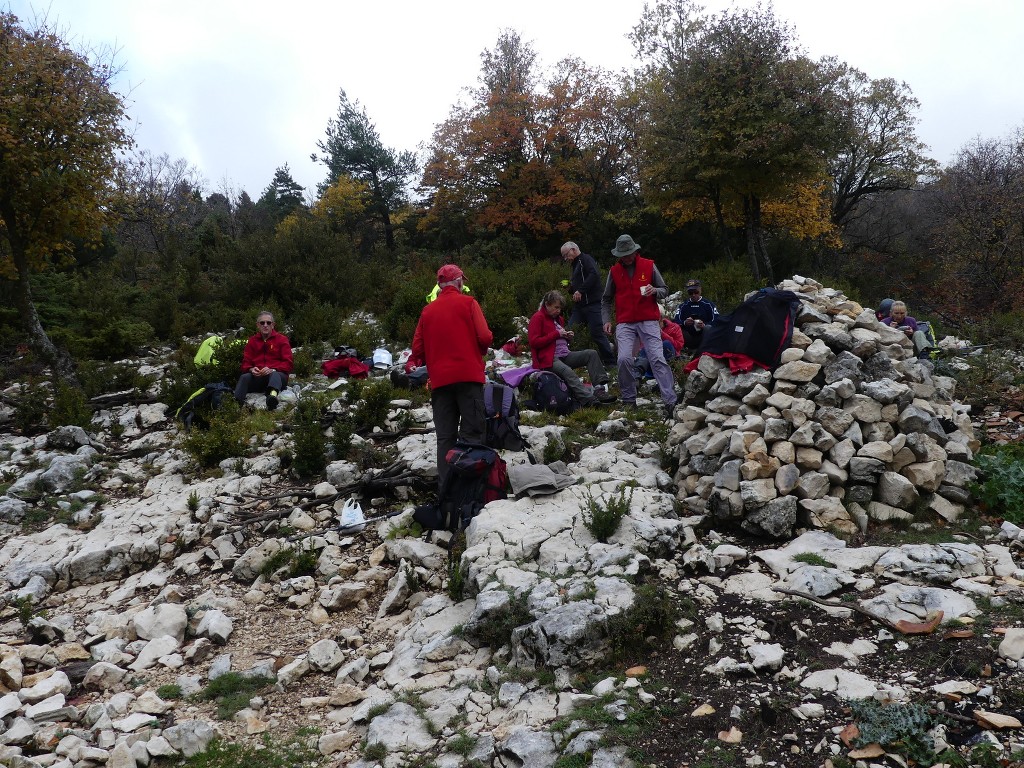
(633, 289)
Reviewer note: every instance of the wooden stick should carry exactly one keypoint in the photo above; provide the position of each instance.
(837, 604)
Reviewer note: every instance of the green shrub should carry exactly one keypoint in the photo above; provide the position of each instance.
(374, 403)
(1001, 486)
(99, 377)
(30, 407)
(232, 692)
(310, 442)
(305, 362)
(603, 520)
(227, 436)
(69, 407)
(169, 691)
(496, 630)
(653, 614)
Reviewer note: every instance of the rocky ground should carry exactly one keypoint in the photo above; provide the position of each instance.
(132, 582)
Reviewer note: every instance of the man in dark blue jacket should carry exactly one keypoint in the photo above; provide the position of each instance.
(585, 284)
(695, 314)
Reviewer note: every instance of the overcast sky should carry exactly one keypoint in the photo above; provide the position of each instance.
(240, 87)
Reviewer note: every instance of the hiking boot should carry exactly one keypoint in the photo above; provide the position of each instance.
(272, 400)
(601, 393)
(670, 411)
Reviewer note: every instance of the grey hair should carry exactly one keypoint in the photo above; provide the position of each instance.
(898, 305)
(567, 245)
(266, 312)
(457, 282)
(553, 297)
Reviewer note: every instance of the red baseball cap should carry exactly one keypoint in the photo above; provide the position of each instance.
(448, 272)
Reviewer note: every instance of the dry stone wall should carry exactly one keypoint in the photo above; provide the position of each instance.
(850, 427)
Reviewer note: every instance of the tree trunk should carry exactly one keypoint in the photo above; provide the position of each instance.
(749, 230)
(59, 360)
(720, 231)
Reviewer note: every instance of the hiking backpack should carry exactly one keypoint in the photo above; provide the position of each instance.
(476, 476)
(550, 393)
(502, 412)
(201, 403)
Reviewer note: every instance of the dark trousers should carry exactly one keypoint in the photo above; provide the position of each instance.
(249, 383)
(590, 316)
(692, 338)
(458, 413)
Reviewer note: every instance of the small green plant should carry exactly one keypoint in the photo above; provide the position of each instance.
(26, 609)
(295, 751)
(461, 744)
(193, 501)
(810, 558)
(1001, 489)
(456, 577)
(900, 728)
(303, 363)
(602, 520)
(375, 751)
(232, 692)
(554, 449)
(169, 691)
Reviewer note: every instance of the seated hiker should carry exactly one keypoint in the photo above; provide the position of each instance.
(549, 346)
(694, 314)
(898, 318)
(266, 362)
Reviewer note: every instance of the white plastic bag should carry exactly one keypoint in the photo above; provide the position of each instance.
(352, 516)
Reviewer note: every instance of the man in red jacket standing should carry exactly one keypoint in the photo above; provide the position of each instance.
(452, 338)
(266, 362)
(633, 290)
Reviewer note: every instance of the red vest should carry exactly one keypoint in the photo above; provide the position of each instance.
(630, 306)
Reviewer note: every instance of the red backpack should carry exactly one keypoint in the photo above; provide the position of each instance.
(476, 475)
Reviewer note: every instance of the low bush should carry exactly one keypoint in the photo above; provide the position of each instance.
(1000, 488)
(227, 436)
(69, 407)
(232, 692)
(602, 519)
(653, 614)
(310, 455)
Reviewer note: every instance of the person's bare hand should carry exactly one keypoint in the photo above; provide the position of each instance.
(577, 296)
(607, 327)
(688, 321)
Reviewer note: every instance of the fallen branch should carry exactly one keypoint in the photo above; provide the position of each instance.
(836, 604)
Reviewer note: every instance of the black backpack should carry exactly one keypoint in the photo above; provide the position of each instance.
(550, 393)
(476, 475)
(201, 403)
(502, 412)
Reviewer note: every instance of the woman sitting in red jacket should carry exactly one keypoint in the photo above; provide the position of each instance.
(549, 347)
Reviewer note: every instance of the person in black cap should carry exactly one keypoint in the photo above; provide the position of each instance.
(695, 314)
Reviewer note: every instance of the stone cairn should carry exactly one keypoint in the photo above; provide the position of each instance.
(850, 427)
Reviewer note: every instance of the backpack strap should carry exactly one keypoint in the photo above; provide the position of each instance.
(506, 400)
(489, 397)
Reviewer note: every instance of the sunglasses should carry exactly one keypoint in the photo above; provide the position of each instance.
(264, 322)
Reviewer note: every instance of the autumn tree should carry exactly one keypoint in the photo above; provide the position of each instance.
(61, 129)
(353, 148)
(737, 114)
(530, 152)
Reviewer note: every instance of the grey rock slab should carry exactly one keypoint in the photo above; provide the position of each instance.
(216, 626)
(57, 683)
(417, 552)
(400, 729)
(154, 650)
(942, 563)
(526, 747)
(325, 655)
(103, 676)
(776, 519)
(190, 737)
(766, 656)
(568, 635)
(842, 682)
(1012, 644)
(899, 602)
